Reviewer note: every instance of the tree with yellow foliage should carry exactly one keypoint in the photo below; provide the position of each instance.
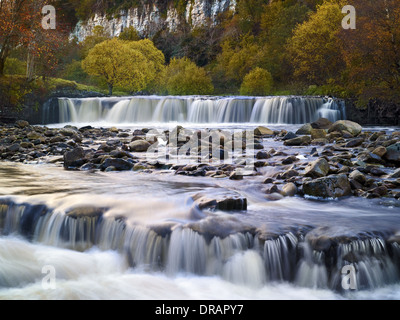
(131, 65)
(257, 82)
(183, 77)
(313, 49)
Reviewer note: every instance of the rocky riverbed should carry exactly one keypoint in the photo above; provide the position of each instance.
(322, 159)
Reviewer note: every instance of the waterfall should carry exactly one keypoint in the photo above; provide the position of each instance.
(268, 110)
(243, 258)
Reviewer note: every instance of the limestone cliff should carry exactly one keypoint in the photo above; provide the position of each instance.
(153, 16)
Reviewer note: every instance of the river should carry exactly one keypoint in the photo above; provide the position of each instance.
(137, 235)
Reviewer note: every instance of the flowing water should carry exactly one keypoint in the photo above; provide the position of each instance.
(217, 110)
(137, 235)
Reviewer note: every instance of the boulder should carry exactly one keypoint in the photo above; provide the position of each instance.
(139, 146)
(345, 125)
(223, 202)
(358, 176)
(299, 141)
(317, 169)
(74, 158)
(393, 152)
(334, 186)
(118, 164)
(356, 142)
(263, 131)
(305, 129)
(68, 132)
(289, 190)
(22, 124)
(379, 151)
(318, 134)
(33, 135)
(289, 135)
(321, 123)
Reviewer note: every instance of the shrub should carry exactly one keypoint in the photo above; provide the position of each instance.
(257, 82)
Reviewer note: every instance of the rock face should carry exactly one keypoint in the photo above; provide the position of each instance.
(334, 186)
(151, 17)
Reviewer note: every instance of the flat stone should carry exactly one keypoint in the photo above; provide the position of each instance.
(299, 141)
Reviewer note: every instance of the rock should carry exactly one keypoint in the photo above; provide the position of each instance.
(321, 123)
(395, 174)
(288, 174)
(380, 151)
(118, 164)
(68, 132)
(139, 146)
(268, 180)
(74, 158)
(393, 152)
(318, 134)
(236, 176)
(358, 176)
(354, 143)
(334, 186)
(345, 125)
(305, 129)
(299, 141)
(380, 191)
(262, 155)
(369, 157)
(14, 147)
(317, 169)
(223, 202)
(274, 196)
(33, 135)
(289, 190)
(262, 131)
(289, 135)
(27, 145)
(255, 146)
(22, 124)
(289, 160)
(375, 171)
(355, 185)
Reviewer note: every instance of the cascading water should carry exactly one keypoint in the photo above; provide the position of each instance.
(242, 258)
(273, 110)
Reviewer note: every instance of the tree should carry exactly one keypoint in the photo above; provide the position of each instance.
(97, 36)
(155, 61)
(278, 21)
(16, 20)
(183, 77)
(258, 82)
(131, 65)
(313, 49)
(237, 59)
(372, 50)
(129, 34)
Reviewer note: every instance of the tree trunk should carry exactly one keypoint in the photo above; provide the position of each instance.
(30, 66)
(2, 64)
(110, 89)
